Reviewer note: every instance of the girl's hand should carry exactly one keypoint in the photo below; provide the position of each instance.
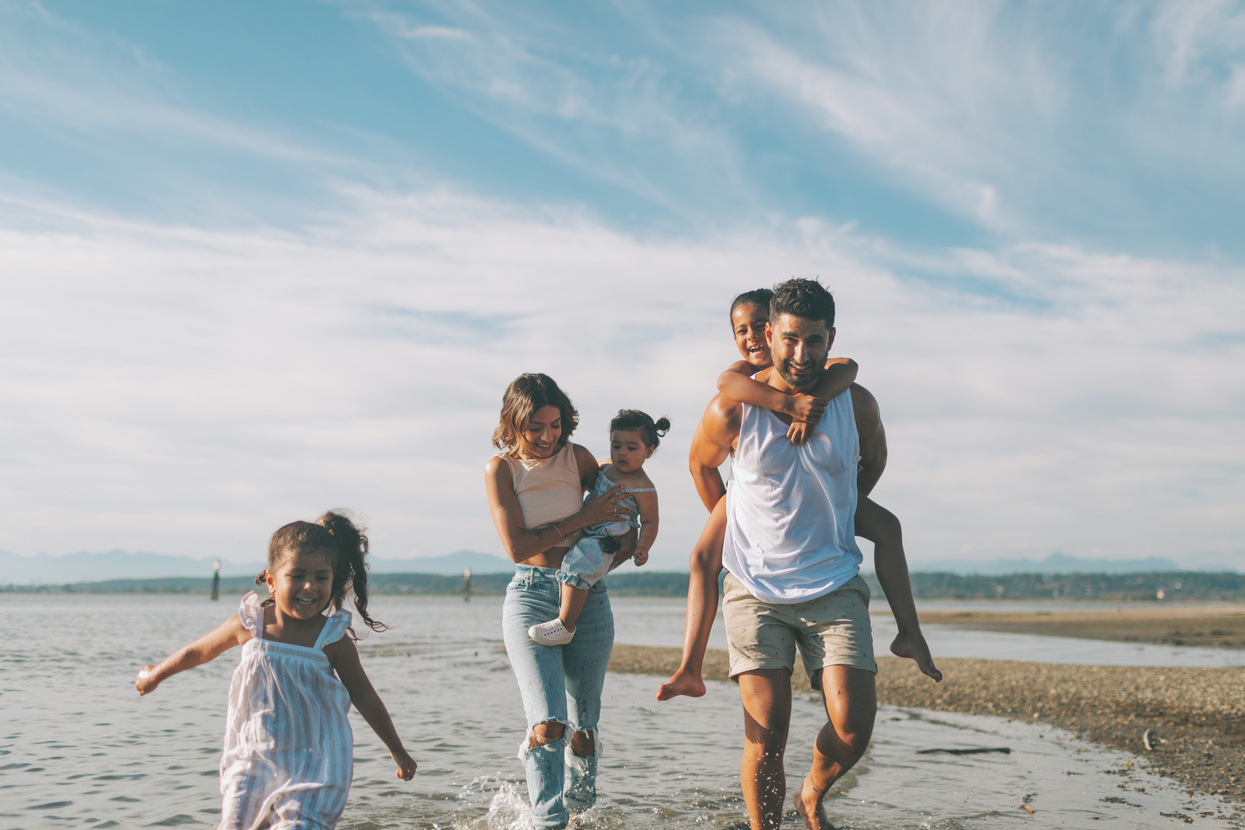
(641, 556)
(798, 432)
(406, 765)
(145, 682)
(805, 408)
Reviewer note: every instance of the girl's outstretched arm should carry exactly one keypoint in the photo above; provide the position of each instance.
(208, 647)
(345, 659)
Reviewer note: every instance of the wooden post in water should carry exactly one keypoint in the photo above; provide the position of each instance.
(467, 585)
(216, 580)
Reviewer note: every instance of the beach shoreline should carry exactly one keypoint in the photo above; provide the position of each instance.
(1207, 626)
(1195, 718)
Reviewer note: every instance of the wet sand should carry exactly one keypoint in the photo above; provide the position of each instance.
(1172, 625)
(1196, 717)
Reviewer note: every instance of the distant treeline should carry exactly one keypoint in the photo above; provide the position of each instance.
(1187, 586)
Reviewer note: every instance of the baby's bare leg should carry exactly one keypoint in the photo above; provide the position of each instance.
(570, 603)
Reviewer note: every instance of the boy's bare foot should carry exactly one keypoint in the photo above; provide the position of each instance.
(813, 814)
(913, 647)
(681, 684)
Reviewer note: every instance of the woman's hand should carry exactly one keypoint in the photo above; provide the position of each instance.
(626, 547)
(600, 509)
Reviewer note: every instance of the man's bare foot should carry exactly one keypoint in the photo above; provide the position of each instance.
(913, 646)
(813, 814)
(682, 683)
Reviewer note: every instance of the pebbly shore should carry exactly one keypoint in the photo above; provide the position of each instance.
(1195, 718)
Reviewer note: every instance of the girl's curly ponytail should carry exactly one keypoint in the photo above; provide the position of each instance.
(350, 571)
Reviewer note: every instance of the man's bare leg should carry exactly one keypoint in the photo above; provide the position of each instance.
(851, 702)
(705, 564)
(766, 697)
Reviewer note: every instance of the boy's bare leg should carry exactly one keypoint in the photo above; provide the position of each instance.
(850, 696)
(705, 564)
(766, 695)
(881, 527)
(570, 603)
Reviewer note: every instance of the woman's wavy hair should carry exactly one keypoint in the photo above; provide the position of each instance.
(526, 394)
(336, 533)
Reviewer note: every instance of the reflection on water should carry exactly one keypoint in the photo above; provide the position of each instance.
(78, 748)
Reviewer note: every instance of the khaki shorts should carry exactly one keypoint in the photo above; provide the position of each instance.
(831, 630)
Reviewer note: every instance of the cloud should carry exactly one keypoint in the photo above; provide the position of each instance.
(187, 391)
(590, 97)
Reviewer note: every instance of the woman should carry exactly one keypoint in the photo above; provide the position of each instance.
(535, 488)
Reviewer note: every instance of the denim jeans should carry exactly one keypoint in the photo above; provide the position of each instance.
(558, 683)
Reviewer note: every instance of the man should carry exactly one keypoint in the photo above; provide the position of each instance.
(792, 559)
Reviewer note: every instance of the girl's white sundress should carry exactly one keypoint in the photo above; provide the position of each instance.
(288, 746)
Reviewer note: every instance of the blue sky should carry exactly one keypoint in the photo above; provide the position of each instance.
(262, 259)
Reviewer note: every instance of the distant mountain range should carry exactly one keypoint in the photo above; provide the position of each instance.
(46, 569)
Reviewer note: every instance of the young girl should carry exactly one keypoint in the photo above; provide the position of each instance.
(633, 437)
(288, 746)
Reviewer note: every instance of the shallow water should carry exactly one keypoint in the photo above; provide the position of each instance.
(78, 748)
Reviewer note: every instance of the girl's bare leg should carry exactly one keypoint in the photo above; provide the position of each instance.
(881, 527)
(702, 606)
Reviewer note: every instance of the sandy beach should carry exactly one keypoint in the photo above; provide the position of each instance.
(1195, 717)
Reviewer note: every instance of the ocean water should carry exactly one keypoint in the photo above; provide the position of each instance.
(78, 748)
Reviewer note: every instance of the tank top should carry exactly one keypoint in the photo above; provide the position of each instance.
(549, 489)
(790, 527)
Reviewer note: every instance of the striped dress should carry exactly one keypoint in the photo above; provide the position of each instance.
(288, 746)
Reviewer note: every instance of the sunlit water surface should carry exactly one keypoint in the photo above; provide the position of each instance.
(78, 748)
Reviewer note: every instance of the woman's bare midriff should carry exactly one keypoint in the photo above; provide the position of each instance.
(551, 558)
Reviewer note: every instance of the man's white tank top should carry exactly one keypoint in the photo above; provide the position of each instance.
(790, 527)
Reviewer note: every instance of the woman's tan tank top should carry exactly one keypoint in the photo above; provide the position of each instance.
(549, 489)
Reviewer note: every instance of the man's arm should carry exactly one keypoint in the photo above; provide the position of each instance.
(872, 439)
(711, 444)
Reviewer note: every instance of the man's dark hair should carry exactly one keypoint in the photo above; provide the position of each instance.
(806, 299)
(759, 297)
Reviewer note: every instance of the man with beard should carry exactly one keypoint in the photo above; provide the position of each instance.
(793, 564)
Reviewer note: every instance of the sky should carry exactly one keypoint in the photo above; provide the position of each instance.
(258, 260)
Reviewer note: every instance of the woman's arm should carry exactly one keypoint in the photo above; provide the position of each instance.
(522, 543)
(344, 656)
(647, 502)
(208, 647)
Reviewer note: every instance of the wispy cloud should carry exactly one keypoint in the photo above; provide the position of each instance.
(612, 112)
(184, 390)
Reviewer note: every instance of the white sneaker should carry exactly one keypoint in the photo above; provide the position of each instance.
(551, 633)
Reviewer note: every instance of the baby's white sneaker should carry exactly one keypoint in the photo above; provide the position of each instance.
(552, 633)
